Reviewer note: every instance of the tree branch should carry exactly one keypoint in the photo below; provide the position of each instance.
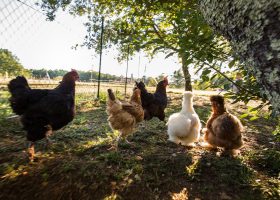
(239, 86)
(161, 37)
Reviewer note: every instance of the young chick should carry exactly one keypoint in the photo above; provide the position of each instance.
(184, 126)
(222, 128)
(123, 116)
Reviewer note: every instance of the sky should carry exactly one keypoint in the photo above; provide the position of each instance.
(42, 44)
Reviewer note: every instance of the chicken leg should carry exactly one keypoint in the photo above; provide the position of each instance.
(31, 151)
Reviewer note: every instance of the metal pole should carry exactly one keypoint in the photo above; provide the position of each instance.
(138, 66)
(101, 46)
(126, 71)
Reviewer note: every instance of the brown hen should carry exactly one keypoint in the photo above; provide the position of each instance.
(123, 116)
(222, 129)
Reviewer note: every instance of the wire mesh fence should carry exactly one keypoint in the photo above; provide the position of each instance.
(18, 19)
(21, 22)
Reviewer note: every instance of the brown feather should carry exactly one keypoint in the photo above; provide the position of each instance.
(123, 115)
(223, 128)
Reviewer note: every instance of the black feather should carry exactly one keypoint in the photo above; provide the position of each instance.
(42, 110)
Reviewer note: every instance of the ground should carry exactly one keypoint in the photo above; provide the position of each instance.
(79, 165)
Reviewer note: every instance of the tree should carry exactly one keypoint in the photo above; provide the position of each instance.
(253, 29)
(84, 75)
(174, 28)
(178, 79)
(9, 64)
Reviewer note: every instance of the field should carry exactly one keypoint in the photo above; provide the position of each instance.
(79, 165)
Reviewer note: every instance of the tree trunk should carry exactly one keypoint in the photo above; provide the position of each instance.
(187, 76)
(252, 27)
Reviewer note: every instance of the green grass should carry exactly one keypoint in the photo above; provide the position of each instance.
(79, 165)
(5, 109)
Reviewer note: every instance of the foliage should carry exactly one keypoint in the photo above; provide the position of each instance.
(10, 65)
(238, 84)
(175, 28)
(252, 29)
(84, 75)
(5, 109)
(151, 82)
(276, 132)
(177, 79)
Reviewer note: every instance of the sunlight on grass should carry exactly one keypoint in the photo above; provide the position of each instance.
(182, 195)
(111, 197)
(192, 170)
(79, 161)
(12, 171)
(5, 109)
(101, 140)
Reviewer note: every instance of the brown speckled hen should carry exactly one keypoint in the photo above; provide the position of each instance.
(123, 116)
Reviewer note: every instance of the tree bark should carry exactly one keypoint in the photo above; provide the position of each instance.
(187, 76)
(253, 29)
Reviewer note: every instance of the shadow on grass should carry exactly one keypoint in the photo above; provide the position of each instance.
(221, 178)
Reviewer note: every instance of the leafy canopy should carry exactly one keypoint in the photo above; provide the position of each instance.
(173, 27)
(10, 65)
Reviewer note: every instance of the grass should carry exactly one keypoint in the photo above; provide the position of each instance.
(79, 165)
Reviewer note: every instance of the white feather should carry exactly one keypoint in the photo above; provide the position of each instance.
(184, 127)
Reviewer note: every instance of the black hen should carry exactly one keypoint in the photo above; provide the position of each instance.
(43, 110)
(154, 104)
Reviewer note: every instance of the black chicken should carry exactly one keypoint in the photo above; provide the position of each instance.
(154, 104)
(43, 110)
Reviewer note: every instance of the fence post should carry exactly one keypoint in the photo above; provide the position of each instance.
(125, 85)
(100, 57)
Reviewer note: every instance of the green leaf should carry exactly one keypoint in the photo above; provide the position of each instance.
(205, 78)
(206, 71)
(231, 64)
(157, 49)
(188, 62)
(244, 115)
(254, 118)
(170, 54)
(213, 77)
(251, 109)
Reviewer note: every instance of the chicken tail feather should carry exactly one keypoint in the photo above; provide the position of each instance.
(111, 95)
(18, 88)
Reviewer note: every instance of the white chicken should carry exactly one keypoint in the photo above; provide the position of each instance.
(184, 127)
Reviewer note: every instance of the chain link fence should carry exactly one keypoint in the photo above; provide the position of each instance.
(21, 22)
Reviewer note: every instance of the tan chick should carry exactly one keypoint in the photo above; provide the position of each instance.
(123, 116)
(222, 128)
